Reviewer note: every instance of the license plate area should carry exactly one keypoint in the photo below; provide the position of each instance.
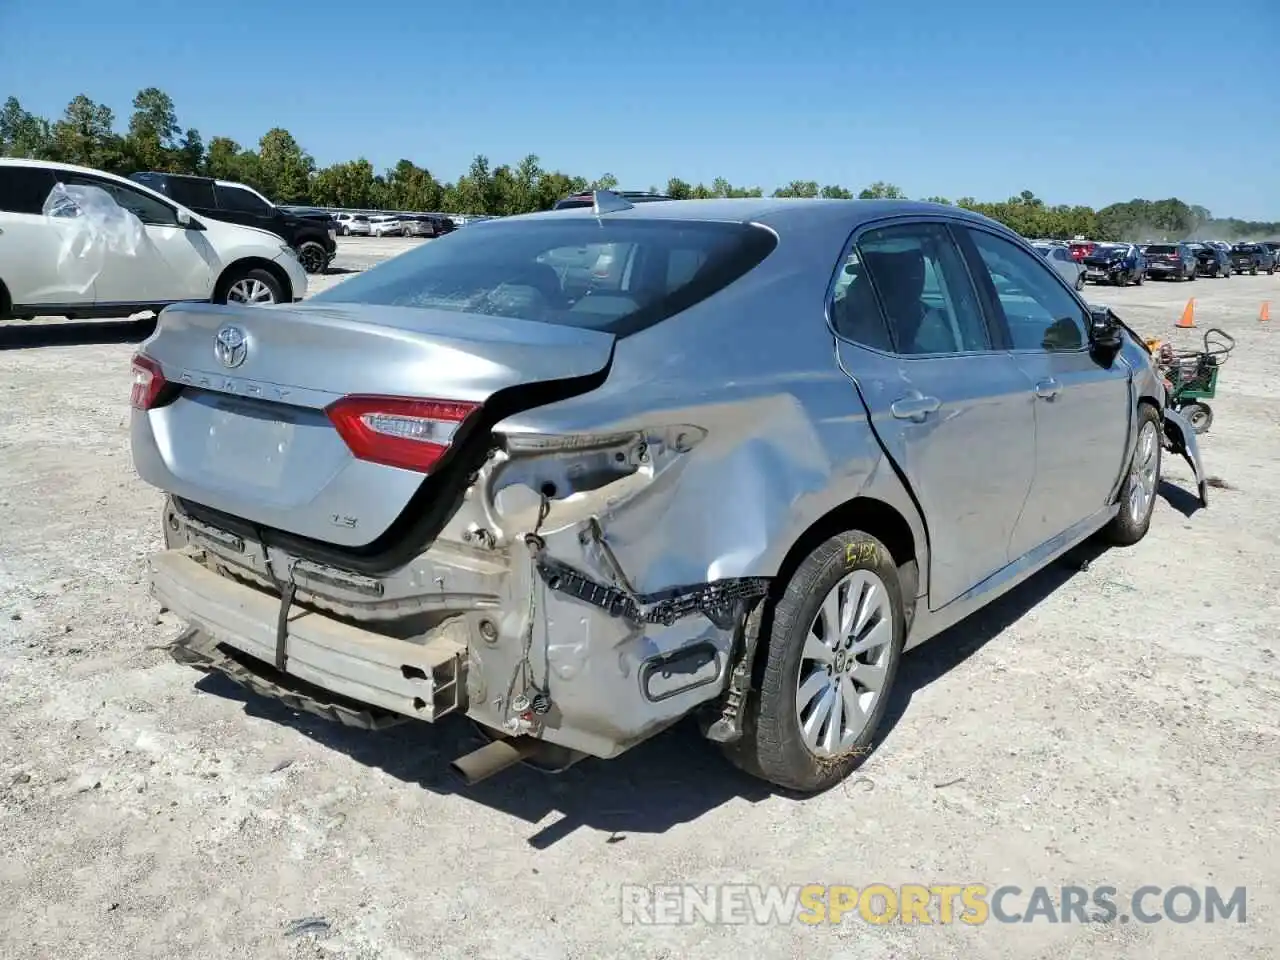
(248, 443)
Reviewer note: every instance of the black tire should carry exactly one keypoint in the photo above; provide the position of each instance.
(258, 274)
(1199, 415)
(1142, 277)
(772, 746)
(1127, 527)
(312, 256)
(1253, 271)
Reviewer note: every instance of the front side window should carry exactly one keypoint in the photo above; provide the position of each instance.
(1041, 313)
(147, 209)
(618, 276)
(906, 288)
(241, 200)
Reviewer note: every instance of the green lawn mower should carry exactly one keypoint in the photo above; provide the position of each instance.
(1191, 376)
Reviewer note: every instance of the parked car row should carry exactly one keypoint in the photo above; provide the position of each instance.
(1080, 261)
(81, 243)
(394, 224)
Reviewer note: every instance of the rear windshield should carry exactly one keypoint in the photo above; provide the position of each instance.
(1162, 248)
(1244, 248)
(618, 276)
(1111, 249)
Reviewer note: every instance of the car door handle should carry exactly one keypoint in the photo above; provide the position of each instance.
(1048, 389)
(914, 407)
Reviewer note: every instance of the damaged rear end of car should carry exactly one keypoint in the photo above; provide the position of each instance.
(431, 491)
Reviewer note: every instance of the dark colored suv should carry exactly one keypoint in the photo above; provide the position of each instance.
(1252, 257)
(312, 235)
(631, 196)
(1171, 261)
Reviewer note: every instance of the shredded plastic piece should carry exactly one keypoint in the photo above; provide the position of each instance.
(95, 230)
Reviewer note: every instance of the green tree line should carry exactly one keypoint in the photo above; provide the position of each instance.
(279, 167)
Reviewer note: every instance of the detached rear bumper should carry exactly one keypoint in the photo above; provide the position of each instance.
(421, 680)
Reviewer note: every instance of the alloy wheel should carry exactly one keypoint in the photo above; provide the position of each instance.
(843, 664)
(251, 291)
(1142, 472)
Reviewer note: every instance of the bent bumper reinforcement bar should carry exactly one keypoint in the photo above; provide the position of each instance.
(717, 600)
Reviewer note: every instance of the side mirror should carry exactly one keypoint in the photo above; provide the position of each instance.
(1105, 332)
(187, 222)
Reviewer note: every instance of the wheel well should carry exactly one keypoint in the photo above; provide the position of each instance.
(5, 302)
(864, 513)
(252, 263)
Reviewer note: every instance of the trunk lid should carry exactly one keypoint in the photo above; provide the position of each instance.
(253, 439)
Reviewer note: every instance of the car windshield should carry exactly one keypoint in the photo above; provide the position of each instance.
(617, 276)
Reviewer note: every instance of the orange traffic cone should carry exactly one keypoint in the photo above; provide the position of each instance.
(1265, 313)
(1188, 318)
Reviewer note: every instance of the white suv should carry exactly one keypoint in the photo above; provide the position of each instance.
(57, 259)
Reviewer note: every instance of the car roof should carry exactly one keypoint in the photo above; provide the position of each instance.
(778, 212)
(169, 176)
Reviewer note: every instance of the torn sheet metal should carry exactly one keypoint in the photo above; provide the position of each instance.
(1182, 440)
(100, 230)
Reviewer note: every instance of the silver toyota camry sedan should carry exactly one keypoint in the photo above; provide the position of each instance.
(577, 475)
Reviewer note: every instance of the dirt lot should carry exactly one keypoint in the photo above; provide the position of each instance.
(1111, 725)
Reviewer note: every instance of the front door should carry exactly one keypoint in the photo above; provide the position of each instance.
(1082, 404)
(164, 263)
(952, 411)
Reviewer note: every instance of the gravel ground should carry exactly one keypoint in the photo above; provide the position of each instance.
(1108, 725)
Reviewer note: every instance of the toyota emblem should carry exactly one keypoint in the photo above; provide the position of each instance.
(230, 346)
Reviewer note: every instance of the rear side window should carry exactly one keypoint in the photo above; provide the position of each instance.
(618, 276)
(24, 189)
(190, 193)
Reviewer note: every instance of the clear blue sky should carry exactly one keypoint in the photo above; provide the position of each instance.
(1081, 101)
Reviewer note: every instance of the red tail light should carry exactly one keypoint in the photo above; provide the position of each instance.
(398, 431)
(148, 381)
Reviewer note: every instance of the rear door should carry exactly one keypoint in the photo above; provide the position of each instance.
(1082, 407)
(952, 409)
(173, 264)
(38, 256)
